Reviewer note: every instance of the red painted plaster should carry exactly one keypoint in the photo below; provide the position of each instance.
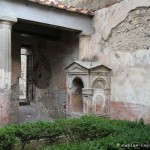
(4, 108)
(68, 105)
(130, 111)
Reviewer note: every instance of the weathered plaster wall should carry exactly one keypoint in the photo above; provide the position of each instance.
(16, 73)
(4, 108)
(58, 56)
(50, 59)
(121, 40)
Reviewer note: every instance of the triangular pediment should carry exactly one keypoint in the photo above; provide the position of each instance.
(75, 68)
(100, 68)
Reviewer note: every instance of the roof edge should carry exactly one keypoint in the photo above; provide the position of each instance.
(62, 6)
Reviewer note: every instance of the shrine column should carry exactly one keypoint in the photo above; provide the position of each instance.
(5, 67)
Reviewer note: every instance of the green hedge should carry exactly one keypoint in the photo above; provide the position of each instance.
(85, 133)
(7, 137)
(130, 136)
(109, 143)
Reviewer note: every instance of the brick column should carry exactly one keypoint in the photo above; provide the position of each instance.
(5, 67)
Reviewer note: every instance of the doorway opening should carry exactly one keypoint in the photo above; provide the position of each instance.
(26, 79)
(77, 101)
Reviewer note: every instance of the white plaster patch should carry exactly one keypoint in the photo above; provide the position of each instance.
(131, 82)
(5, 79)
(2, 81)
(8, 80)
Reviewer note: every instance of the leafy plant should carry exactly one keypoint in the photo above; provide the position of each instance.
(7, 137)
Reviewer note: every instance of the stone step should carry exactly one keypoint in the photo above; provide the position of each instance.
(24, 102)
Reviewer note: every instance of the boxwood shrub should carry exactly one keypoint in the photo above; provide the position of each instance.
(85, 133)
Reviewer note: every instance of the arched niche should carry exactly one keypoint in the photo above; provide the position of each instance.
(99, 97)
(99, 84)
(77, 101)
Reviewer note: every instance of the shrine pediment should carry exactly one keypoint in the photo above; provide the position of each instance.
(76, 68)
(100, 68)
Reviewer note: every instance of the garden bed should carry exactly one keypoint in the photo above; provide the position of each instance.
(85, 133)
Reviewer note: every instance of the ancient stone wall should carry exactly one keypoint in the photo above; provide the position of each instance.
(121, 40)
(133, 33)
